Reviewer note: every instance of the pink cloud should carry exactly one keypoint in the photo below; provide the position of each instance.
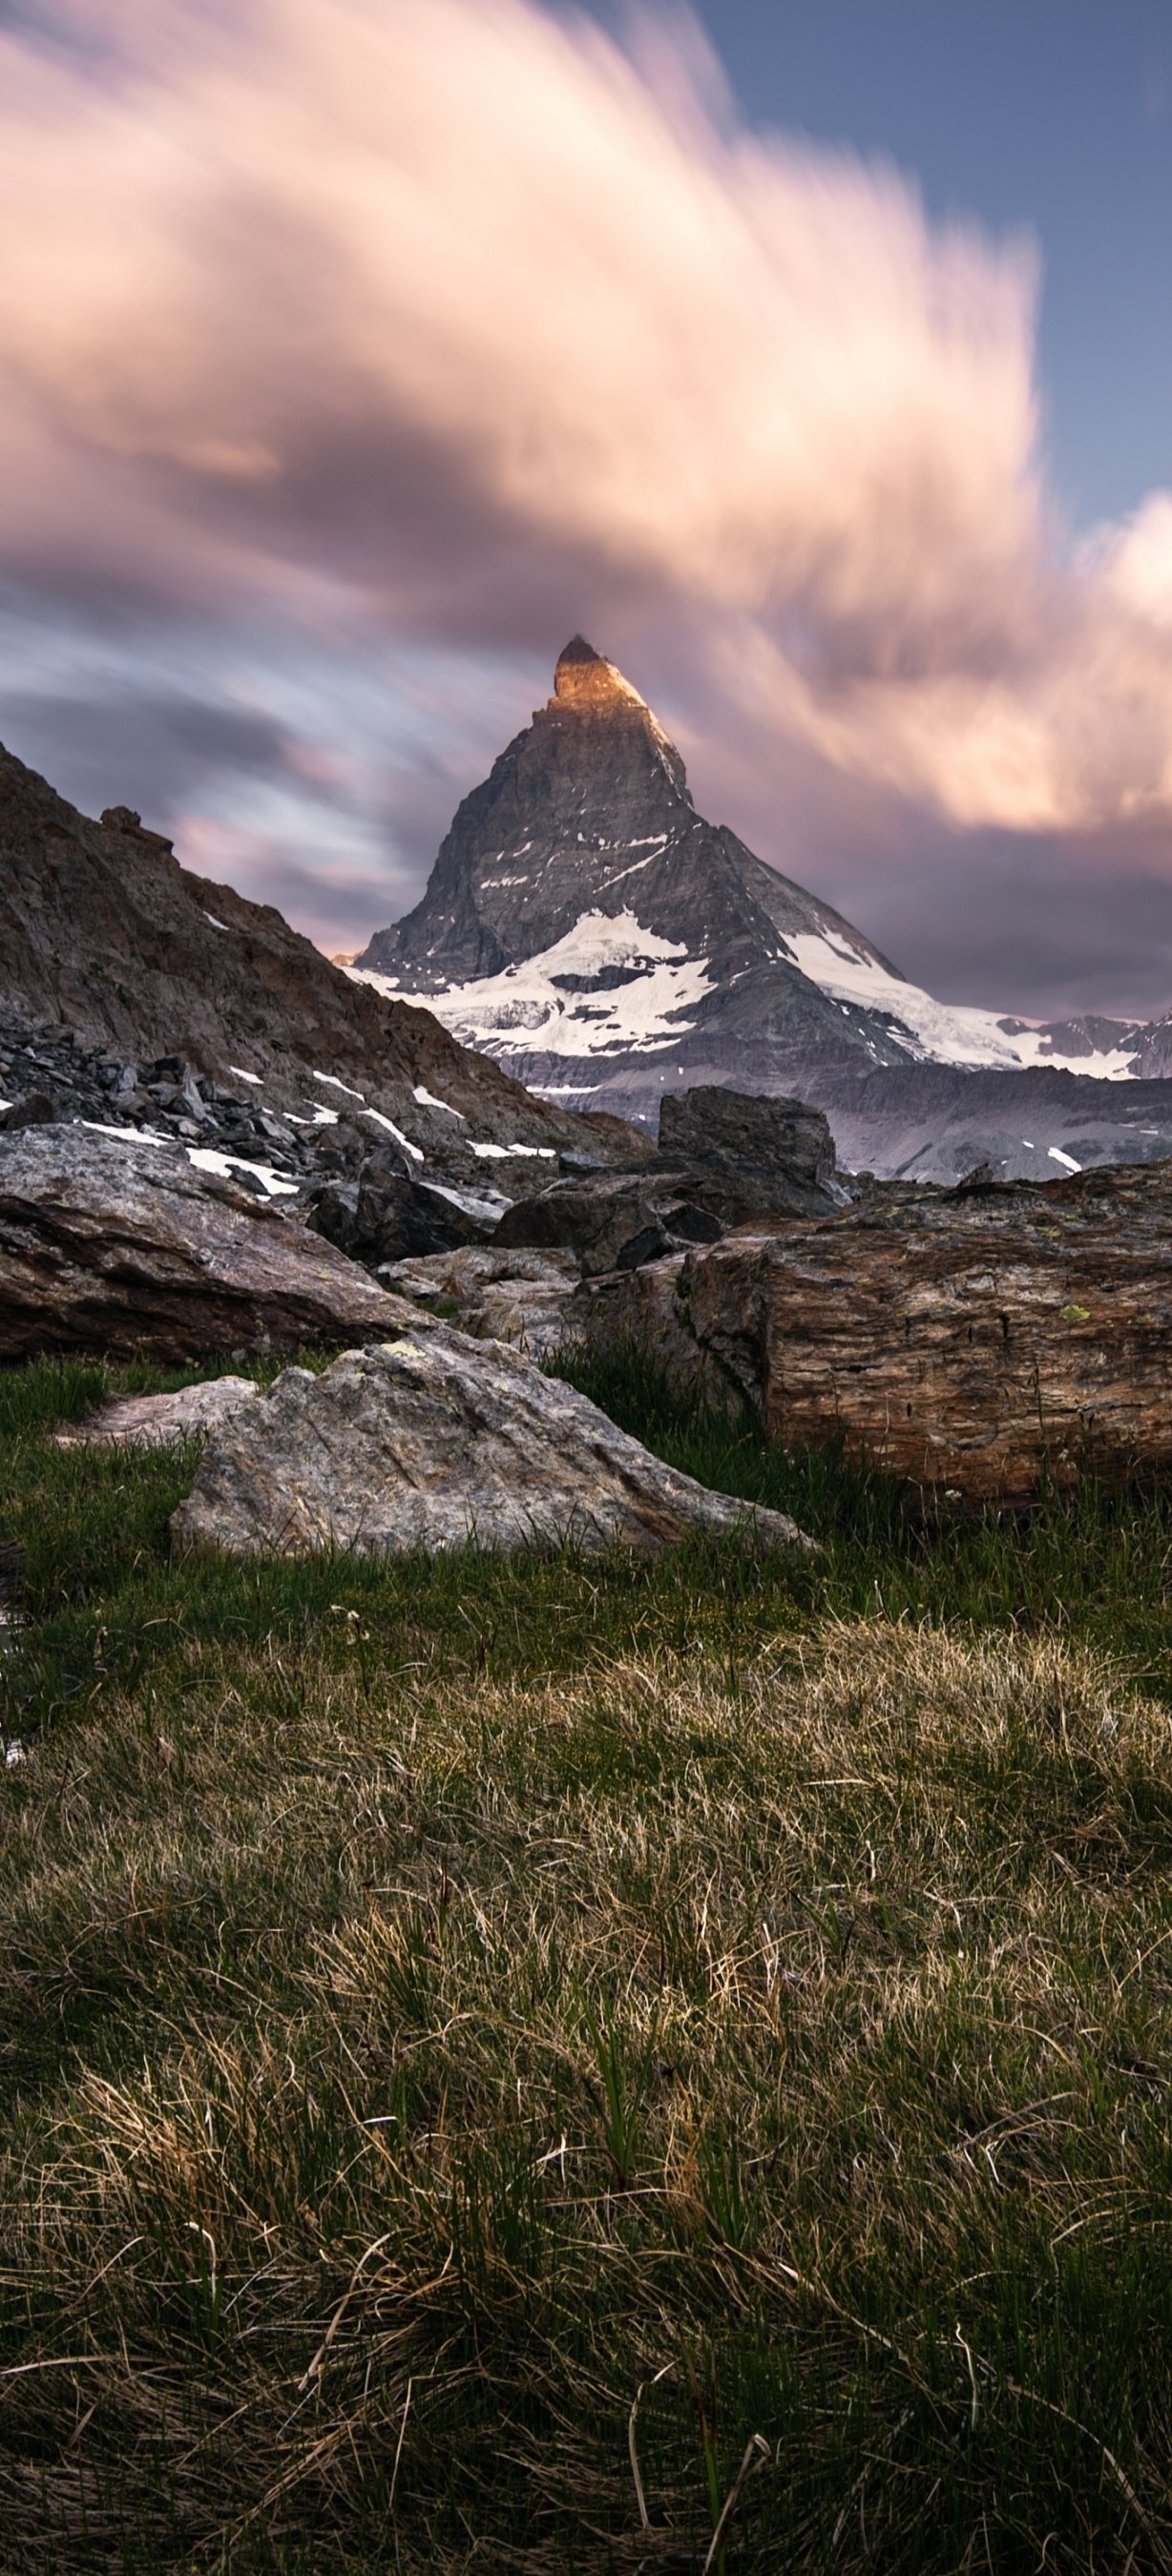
(457, 317)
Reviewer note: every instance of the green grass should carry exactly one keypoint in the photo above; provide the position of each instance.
(491, 2049)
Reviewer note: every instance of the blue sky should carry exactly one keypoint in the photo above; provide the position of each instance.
(353, 356)
(1049, 116)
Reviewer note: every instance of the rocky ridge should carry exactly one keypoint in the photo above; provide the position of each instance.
(111, 948)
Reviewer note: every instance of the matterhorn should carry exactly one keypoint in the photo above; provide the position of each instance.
(584, 925)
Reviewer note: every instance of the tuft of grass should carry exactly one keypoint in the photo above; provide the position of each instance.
(557, 2064)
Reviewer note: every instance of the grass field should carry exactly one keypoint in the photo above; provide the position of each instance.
(556, 2065)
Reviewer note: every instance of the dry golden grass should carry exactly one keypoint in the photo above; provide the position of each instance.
(463, 2124)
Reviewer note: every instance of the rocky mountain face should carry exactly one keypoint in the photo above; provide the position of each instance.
(588, 929)
(111, 948)
(584, 924)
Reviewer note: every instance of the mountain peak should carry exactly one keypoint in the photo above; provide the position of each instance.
(583, 678)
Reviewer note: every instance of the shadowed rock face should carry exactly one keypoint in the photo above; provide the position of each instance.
(120, 1247)
(433, 1441)
(776, 1156)
(984, 1340)
(102, 930)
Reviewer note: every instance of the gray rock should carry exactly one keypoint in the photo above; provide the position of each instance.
(111, 1244)
(382, 1214)
(35, 1109)
(434, 1441)
(613, 1220)
(776, 1155)
(148, 1421)
(524, 1298)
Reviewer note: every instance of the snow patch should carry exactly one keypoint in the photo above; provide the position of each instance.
(208, 1158)
(242, 1076)
(126, 1135)
(526, 1011)
(936, 1032)
(337, 1085)
(216, 925)
(1067, 1160)
(498, 1153)
(396, 1132)
(427, 1100)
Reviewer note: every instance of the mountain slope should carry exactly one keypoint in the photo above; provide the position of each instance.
(101, 929)
(587, 927)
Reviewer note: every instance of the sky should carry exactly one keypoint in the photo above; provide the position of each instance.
(812, 358)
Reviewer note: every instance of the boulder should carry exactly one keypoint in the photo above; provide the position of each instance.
(611, 1220)
(525, 1298)
(774, 1157)
(725, 1159)
(988, 1342)
(383, 1213)
(114, 1244)
(148, 1421)
(33, 1109)
(435, 1441)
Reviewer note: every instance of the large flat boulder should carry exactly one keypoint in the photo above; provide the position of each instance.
(113, 1245)
(433, 1441)
(989, 1341)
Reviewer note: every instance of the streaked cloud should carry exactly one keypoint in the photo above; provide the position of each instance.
(447, 327)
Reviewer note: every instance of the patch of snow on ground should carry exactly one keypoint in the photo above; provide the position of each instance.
(241, 1075)
(322, 1117)
(337, 1085)
(1067, 1160)
(216, 925)
(396, 1132)
(427, 1100)
(208, 1158)
(940, 1031)
(126, 1135)
(4, 1104)
(498, 1153)
(525, 1011)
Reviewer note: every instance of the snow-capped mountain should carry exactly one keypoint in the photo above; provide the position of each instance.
(585, 926)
